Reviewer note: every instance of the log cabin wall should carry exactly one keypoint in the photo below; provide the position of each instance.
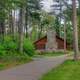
(60, 43)
(41, 44)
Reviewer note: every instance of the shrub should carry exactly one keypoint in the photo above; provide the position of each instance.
(10, 57)
(10, 44)
(9, 50)
(29, 47)
(2, 50)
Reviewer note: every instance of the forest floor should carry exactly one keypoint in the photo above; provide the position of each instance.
(9, 63)
(33, 70)
(69, 70)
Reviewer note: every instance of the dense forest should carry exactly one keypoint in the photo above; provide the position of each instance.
(22, 22)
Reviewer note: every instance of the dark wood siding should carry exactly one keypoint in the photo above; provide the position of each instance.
(60, 43)
(41, 44)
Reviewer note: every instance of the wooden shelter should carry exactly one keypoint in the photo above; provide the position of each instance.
(41, 43)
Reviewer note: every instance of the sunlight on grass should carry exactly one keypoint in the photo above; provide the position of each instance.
(70, 70)
(51, 54)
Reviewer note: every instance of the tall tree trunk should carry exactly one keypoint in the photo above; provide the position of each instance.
(21, 29)
(40, 32)
(2, 30)
(75, 30)
(79, 22)
(26, 23)
(65, 35)
(14, 25)
(10, 21)
(57, 26)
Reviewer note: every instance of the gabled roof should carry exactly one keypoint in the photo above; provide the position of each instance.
(40, 39)
(46, 37)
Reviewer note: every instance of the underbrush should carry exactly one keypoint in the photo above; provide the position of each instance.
(9, 60)
(10, 46)
(10, 55)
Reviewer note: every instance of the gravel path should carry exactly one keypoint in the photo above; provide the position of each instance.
(33, 70)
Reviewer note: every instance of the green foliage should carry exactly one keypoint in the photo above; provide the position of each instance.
(2, 50)
(10, 44)
(2, 66)
(69, 70)
(9, 51)
(29, 47)
(12, 59)
(10, 56)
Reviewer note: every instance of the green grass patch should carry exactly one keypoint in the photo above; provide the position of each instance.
(13, 59)
(2, 66)
(70, 70)
(53, 53)
(49, 54)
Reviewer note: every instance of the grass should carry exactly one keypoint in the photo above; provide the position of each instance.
(9, 61)
(49, 54)
(6, 65)
(53, 53)
(69, 70)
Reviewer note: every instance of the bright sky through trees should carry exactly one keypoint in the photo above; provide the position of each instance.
(47, 4)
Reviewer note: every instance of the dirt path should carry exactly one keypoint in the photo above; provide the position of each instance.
(33, 70)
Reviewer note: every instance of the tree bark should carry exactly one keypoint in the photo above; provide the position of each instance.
(14, 25)
(65, 36)
(79, 22)
(40, 32)
(2, 30)
(57, 26)
(75, 30)
(26, 23)
(10, 21)
(21, 29)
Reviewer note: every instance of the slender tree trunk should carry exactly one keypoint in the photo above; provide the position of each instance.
(57, 26)
(79, 22)
(2, 30)
(75, 30)
(26, 32)
(40, 32)
(26, 23)
(14, 26)
(10, 21)
(21, 29)
(65, 35)
(60, 2)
